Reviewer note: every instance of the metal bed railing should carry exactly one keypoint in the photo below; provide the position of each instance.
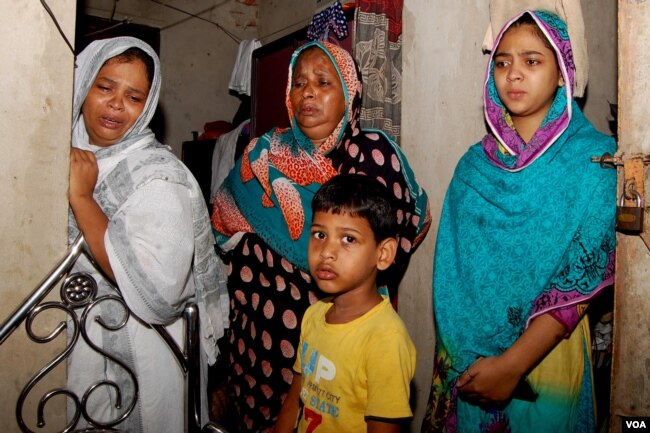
(79, 292)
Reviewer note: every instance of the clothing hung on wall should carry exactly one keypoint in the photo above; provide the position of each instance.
(378, 50)
(223, 156)
(240, 79)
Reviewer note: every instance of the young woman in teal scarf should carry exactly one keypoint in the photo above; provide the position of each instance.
(526, 240)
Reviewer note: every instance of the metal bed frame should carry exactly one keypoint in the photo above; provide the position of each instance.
(79, 291)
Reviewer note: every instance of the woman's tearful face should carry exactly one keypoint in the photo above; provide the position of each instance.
(316, 95)
(115, 101)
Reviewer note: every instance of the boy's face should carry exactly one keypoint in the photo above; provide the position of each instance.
(344, 255)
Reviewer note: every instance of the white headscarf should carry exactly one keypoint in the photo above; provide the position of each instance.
(89, 63)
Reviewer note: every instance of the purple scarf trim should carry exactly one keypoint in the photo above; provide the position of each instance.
(520, 154)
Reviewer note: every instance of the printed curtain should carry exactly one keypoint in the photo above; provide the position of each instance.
(378, 50)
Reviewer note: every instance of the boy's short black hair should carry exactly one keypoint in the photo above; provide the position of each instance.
(360, 196)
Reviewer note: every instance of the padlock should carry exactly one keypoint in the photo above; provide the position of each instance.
(629, 219)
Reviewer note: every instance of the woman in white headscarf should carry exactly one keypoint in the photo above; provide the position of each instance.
(144, 219)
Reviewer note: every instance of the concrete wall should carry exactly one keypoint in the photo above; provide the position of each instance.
(35, 101)
(196, 57)
(441, 117)
(601, 31)
(275, 21)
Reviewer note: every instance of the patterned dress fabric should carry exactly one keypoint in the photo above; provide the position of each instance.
(261, 219)
(525, 230)
(378, 49)
(332, 18)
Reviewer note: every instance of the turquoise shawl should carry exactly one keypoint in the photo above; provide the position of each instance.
(523, 231)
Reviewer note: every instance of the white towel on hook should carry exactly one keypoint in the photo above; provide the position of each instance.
(240, 79)
(223, 157)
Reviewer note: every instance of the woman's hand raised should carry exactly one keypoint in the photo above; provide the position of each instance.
(83, 174)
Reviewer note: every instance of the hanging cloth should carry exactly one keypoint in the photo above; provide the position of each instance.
(240, 78)
(378, 51)
(328, 18)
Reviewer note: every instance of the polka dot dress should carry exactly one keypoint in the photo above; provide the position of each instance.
(330, 18)
(268, 297)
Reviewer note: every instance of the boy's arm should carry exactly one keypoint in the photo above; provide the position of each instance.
(289, 413)
(375, 426)
(91, 220)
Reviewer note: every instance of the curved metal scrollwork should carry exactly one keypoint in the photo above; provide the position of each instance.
(111, 327)
(70, 343)
(81, 306)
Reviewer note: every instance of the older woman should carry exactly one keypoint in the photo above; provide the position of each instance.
(262, 215)
(145, 221)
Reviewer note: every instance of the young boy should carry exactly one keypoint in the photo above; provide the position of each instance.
(355, 359)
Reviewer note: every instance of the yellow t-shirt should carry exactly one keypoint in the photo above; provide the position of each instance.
(353, 371)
